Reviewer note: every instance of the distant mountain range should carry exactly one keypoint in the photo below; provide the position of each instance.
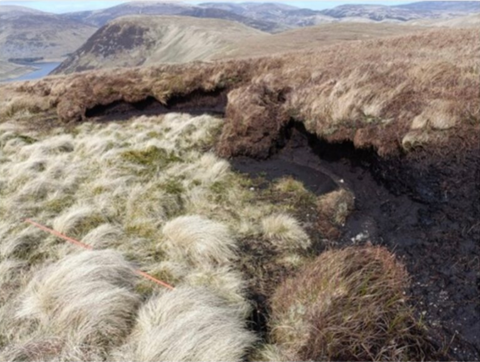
(29, 34)
(101, 17)
(276, 17)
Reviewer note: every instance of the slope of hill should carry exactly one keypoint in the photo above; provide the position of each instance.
(313, 37)
(372, 12)
(286, 15)
(397, 118)
(213, 13)
(145, 40)
(413, 11)
(443, 6)
(293, 17)
(273, 17)
(101, 17)
(469, 21)
(11, 70)
(9, 11)
(27, 33)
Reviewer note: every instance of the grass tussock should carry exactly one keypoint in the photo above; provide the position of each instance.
(198, 241)
(285, 232)
(187, 324)
(77, 308)
(182, 221)
(87, 297)
(347, 305)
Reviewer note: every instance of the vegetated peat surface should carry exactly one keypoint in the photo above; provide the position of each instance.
(424, 211)
(394, 207)
(441, 255)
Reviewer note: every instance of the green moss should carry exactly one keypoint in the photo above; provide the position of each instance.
(3, 341)
(24, 249)
(38, 258)
(147, 287)
(294, 194)
(289, 185)
(154, 134)
(142, 230)
(59, 204)
(27, 139)
(219, 187)
(173, 186)
(86, 224)
(151, 156)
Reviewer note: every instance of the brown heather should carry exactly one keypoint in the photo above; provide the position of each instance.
(392, 93)
(347, 305)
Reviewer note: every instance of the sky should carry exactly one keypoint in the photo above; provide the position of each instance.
(63, 6)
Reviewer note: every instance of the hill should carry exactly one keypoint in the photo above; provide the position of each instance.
(11, 70)
(286, 15)
(99, 18)
(443, 6)
(145, 40)
(406, 12)
(313, 37)
(469, 21)
(148, 40)
(10, 11)
(292, 17)
(372, 12)
(27, 33)
(276, 17)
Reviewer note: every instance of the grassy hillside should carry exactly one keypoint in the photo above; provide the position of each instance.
(154, 40)
(146, 40)
(27, 33)
(370, 92)
(311, 38)
(469, 21)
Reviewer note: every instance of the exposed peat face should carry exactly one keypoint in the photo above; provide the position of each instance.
(195, 103)
(423, 208)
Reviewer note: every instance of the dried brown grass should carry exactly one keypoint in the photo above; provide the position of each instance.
(347, 305)
(313, 37)
(392, 93)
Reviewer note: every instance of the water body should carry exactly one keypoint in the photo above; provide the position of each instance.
(43, 69)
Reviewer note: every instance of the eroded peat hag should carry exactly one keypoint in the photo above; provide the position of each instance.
(423, 208)
(196, 103)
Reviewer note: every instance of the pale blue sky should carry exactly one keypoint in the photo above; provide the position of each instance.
(62, 6)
